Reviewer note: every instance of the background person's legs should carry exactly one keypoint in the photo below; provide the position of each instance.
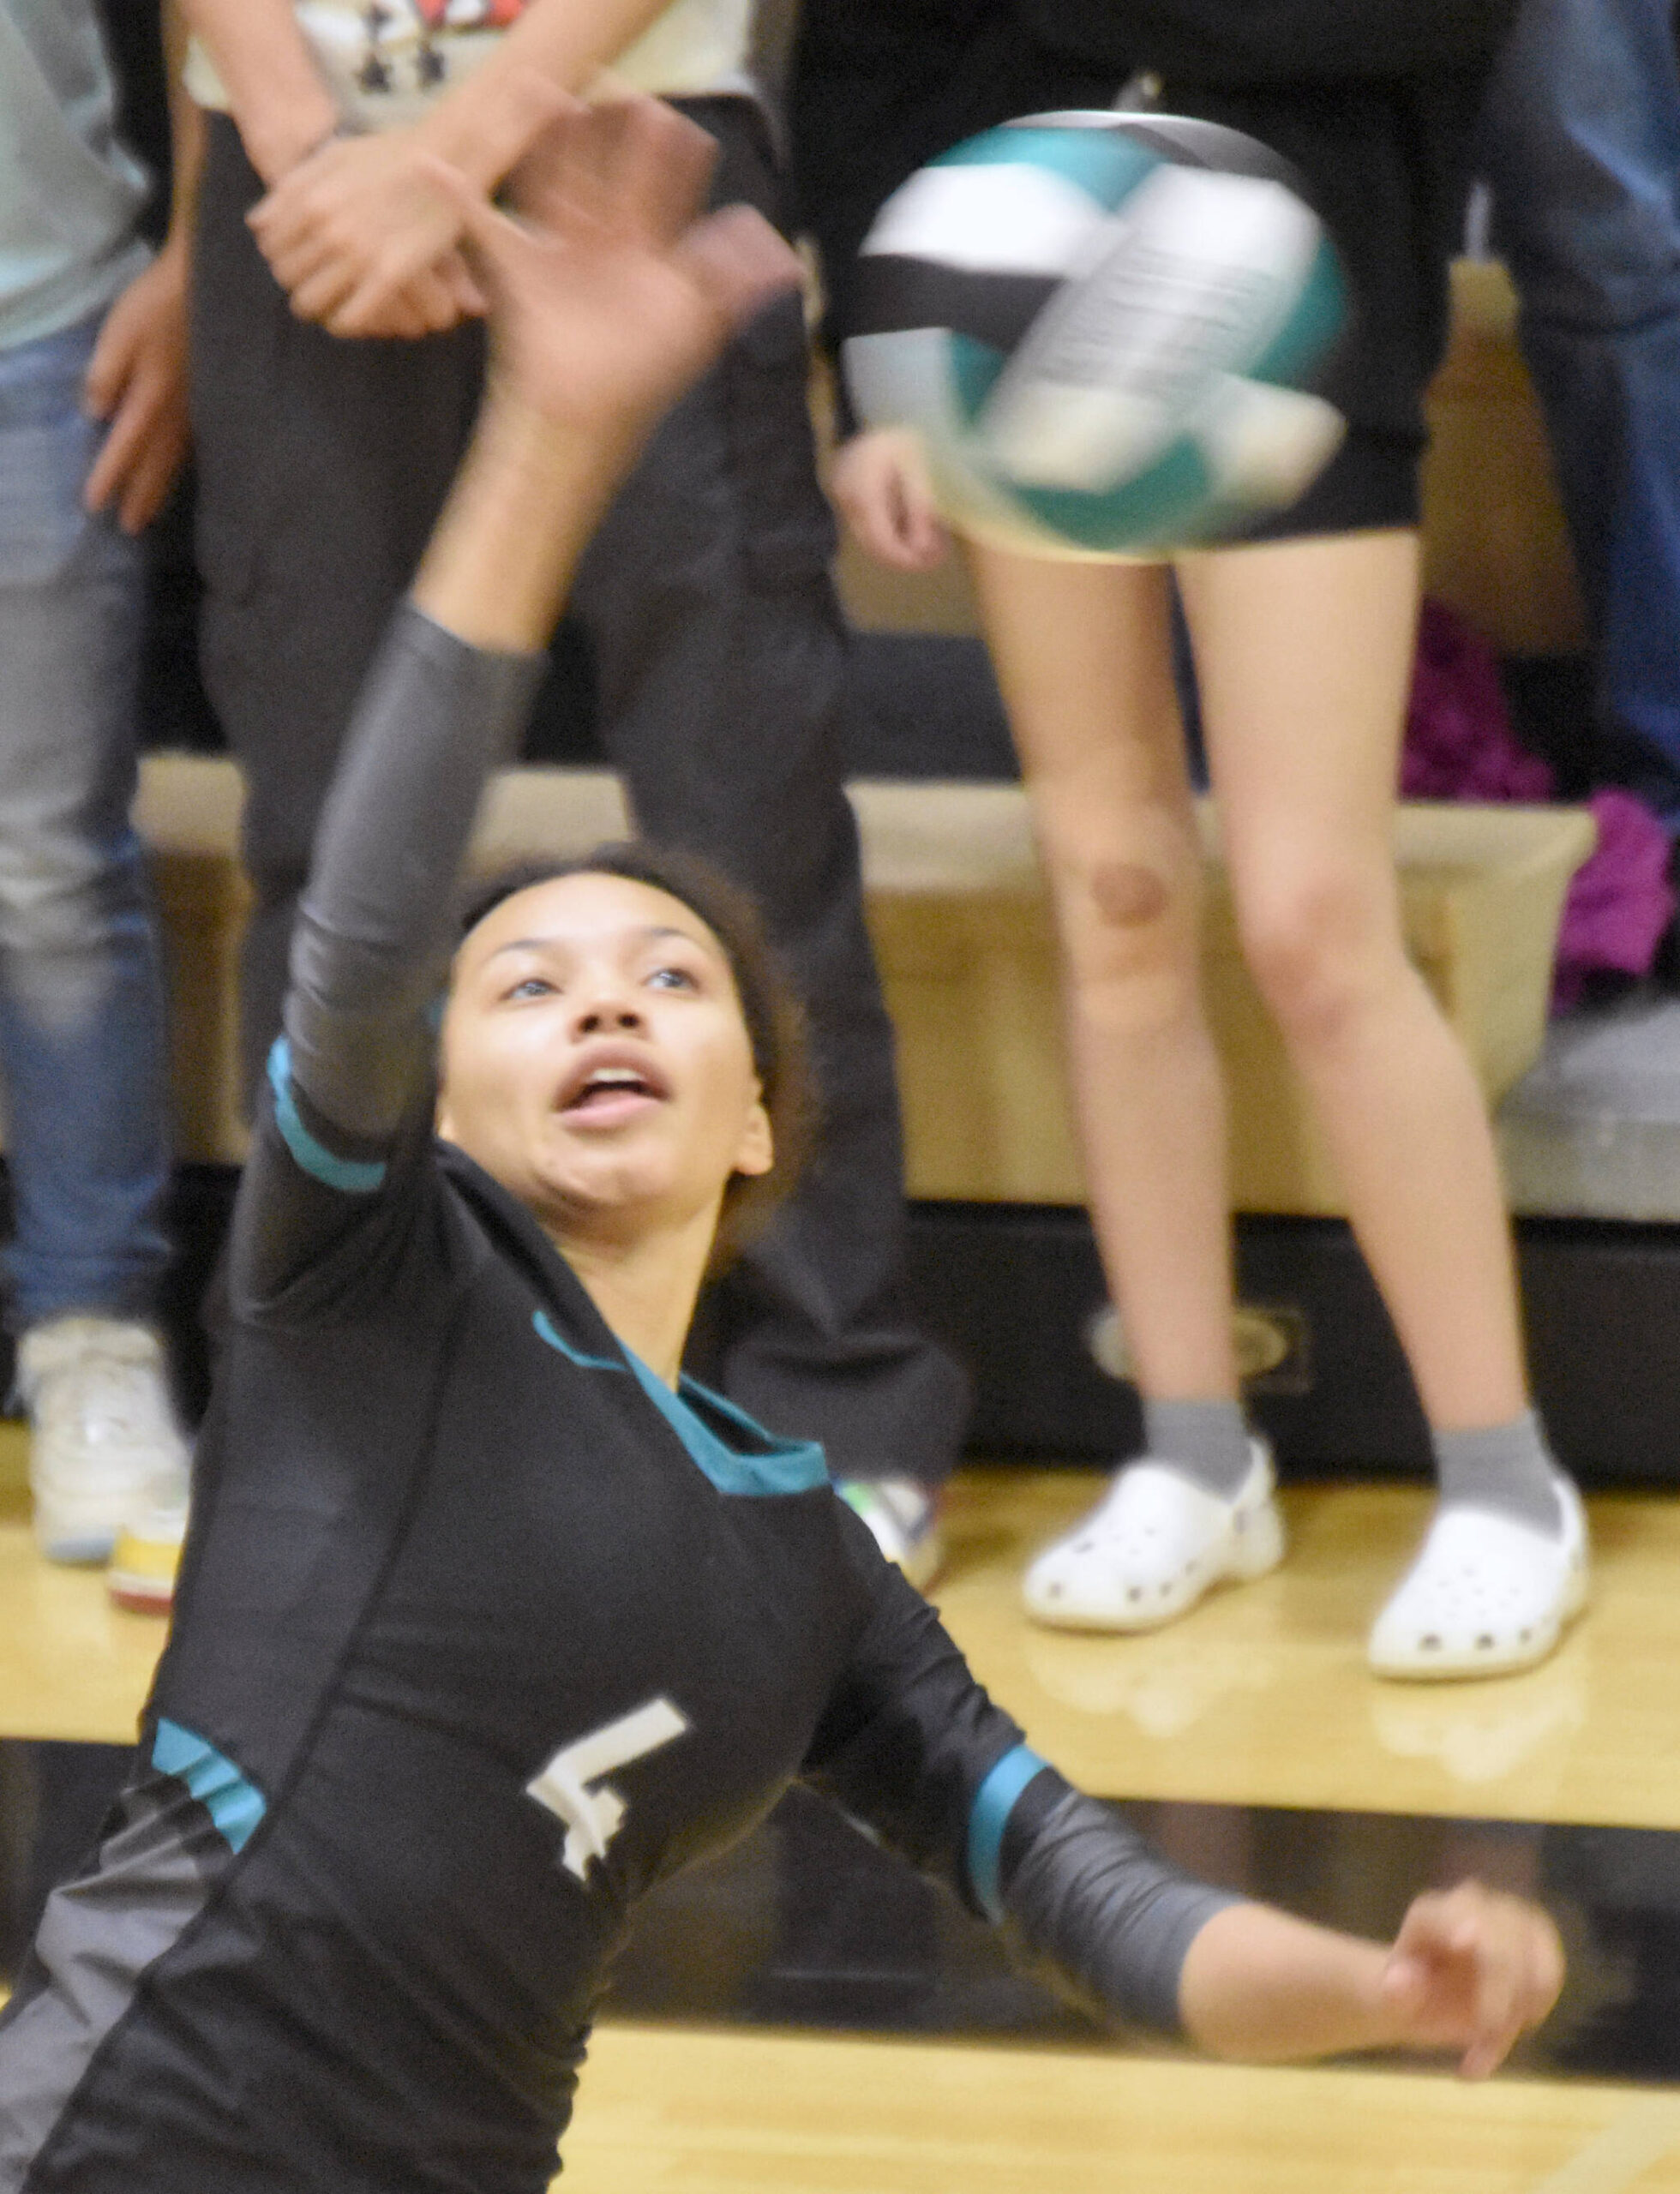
(81, 1008)
(1083, 659)
(1302, 651)
(1083, 662)
(1580, 143)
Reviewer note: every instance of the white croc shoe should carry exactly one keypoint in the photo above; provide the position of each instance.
(1152, 1548)
(1485, 1596)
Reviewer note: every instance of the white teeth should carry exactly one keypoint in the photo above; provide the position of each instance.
(610, 1076)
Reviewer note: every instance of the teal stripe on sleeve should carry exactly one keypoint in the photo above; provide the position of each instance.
(989, 1818)
(351, 1176)
(234, 1804)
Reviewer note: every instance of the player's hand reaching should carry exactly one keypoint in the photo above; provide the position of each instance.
(606, 298)
(607, 295)
(1470, 1970)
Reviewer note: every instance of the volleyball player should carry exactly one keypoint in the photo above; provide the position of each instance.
(489, 1621)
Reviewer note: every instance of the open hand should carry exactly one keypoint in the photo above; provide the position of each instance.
(607, 294)
(136, 381)
(880, 479)
(1471, 1970)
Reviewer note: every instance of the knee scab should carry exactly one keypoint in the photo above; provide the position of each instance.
(1128, 895)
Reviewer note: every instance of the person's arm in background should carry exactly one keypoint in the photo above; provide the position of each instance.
(285, 113)
(278, 98)
(137, 379)
(877, 88)
(352, 223)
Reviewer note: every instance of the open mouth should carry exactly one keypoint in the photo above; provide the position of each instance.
(609, 1086)
(605, 1086)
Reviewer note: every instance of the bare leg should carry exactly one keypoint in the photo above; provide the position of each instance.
(1304, 650)
(1081, 656)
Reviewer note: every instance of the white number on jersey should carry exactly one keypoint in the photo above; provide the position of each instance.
(593, 1810)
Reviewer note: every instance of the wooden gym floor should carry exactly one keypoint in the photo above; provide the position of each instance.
(793, 2023)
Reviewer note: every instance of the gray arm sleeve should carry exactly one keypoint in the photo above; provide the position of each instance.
(375, 931)
(1091, 1910)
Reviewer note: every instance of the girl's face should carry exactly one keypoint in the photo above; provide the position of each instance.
(595, 1061)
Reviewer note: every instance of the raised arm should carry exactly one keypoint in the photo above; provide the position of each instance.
(606, 301)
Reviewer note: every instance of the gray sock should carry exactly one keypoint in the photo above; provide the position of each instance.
(1208, 1441)
(1507, 1467)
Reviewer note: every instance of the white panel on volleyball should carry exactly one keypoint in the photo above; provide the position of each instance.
(1007, 217)
(1194, 276)
(1265, 446)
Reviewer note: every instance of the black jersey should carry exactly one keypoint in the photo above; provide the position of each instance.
(482, 1632)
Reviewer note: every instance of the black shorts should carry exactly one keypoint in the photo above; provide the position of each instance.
(1385, 162)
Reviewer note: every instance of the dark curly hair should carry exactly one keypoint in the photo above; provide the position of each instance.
(769, 1006)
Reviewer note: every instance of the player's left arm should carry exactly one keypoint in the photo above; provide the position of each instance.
(914, 1747)
(347, 229)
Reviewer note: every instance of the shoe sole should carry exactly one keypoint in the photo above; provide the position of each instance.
(1257, 1549)
(139, 1597)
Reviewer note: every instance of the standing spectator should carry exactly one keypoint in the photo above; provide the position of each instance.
(336, 370)
(1304, 634)
(1582, 146)
(93, 428)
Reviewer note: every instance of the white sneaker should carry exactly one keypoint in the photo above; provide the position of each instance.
(103, 1435)
(904, 1516)
(1153, 1546)
(1487, 1595)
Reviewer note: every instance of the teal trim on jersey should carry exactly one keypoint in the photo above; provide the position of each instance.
(352, 1177)
(989, 1818)
(1105, 164)
(235, 1805)
(548, 1331)
(789, 1467)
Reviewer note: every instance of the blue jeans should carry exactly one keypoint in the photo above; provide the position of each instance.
(82, 1059)
(1582, 151)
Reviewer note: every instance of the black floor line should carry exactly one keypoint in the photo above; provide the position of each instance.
(808, 1924)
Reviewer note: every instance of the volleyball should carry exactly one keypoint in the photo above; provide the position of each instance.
(1108, 331)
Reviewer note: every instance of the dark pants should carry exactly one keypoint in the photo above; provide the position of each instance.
(720, 657)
